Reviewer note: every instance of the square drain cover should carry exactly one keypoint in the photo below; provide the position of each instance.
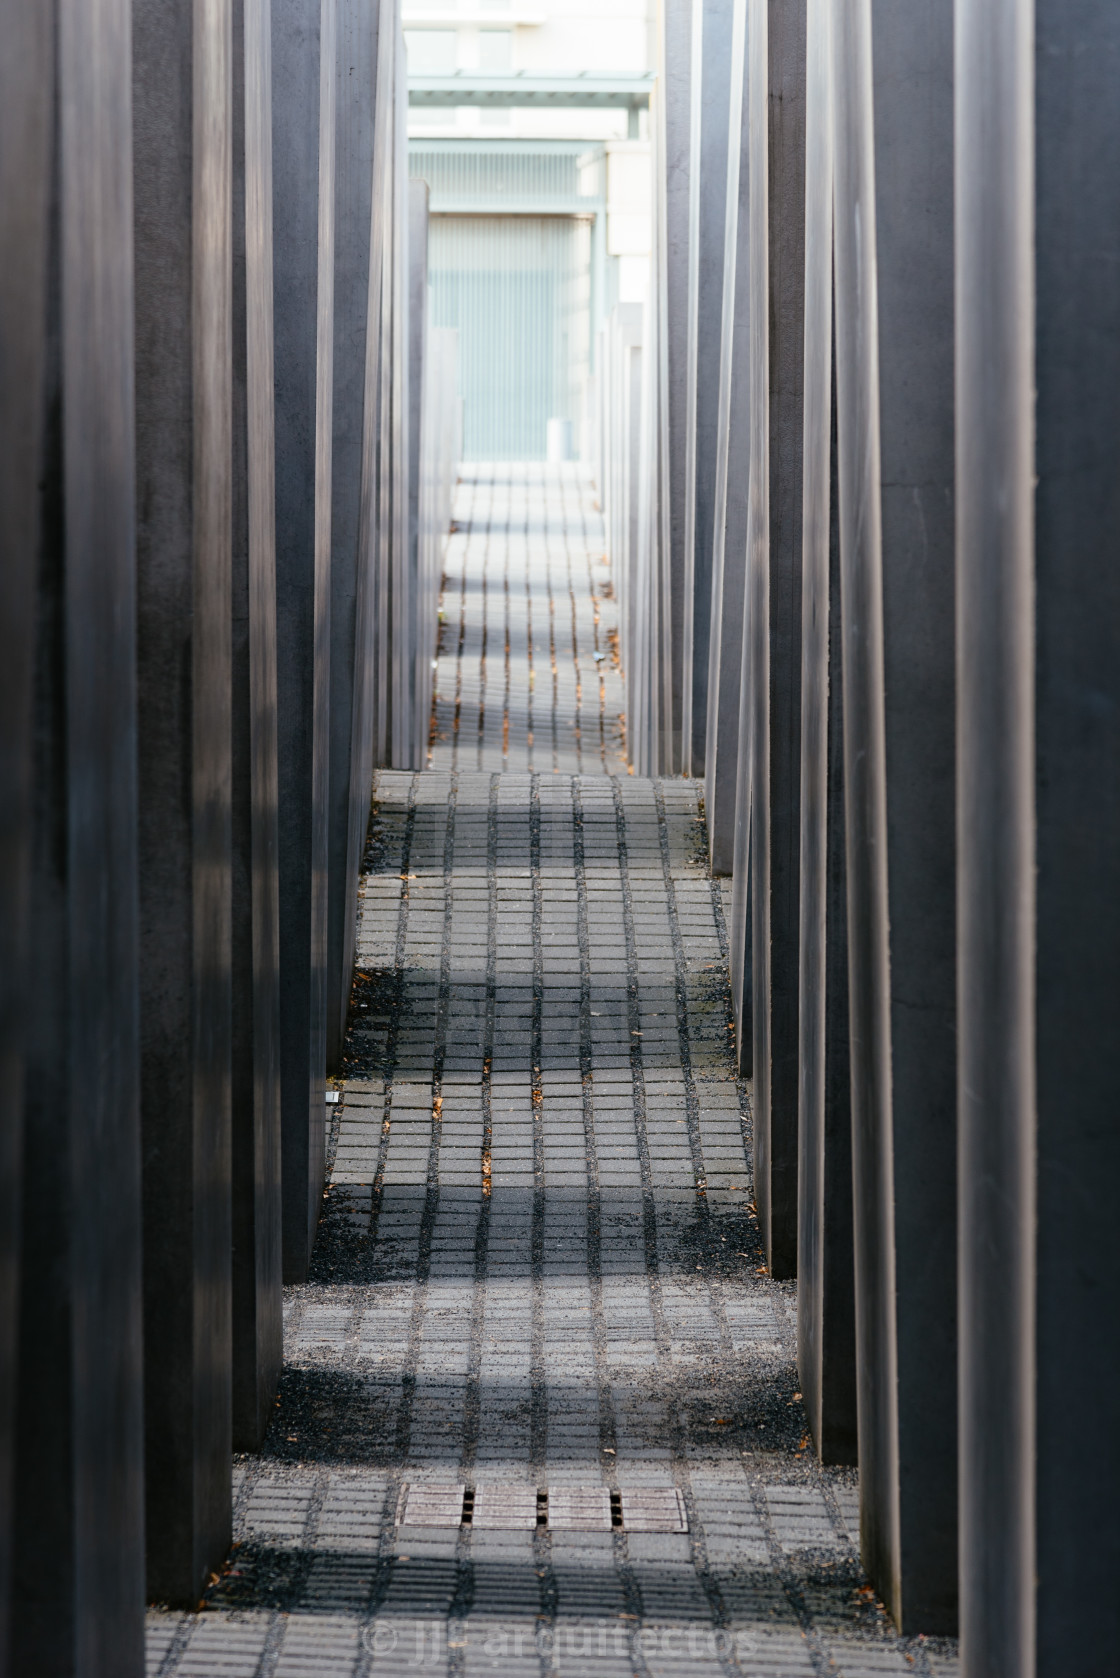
(433, 1506)
(579, 1509)
(505, 1508)
(653, 1509)
(561, 1508)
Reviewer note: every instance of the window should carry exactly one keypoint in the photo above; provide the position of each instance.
(431, 52)
(495, 50)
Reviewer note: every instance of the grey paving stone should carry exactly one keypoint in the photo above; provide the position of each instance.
(521, 1279)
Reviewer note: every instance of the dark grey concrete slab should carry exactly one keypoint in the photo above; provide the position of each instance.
(865, 800)
(773, 659)
(1077, 690)
(183, 134)
(643, 594)
(825, 1263)
(439, 464)
(895, 344)
(825, 1268)
(404, 591)
(76, 1504)
(423, 605)
(303, 99)
(381, 629)
(729, 539)
(626, 525)
(996, 629)
(255, 1087)
(912, 69)
(25, 185)
(355, 256)
(675, 135)
(754, 655)
(996, 649)
(711, 61)
(1038, 695)
(632, 386)
(371, 714)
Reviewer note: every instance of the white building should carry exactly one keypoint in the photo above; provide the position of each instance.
(539, 37)
(530, 124)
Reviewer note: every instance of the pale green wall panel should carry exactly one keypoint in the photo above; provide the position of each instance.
(517, 287)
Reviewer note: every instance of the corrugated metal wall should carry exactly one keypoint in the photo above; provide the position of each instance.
(494, 169)
(516, 286)
(517, 289)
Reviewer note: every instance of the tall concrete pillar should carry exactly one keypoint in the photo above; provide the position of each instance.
(622, 360)
(370, 739)
(358, 236)
(25, 174)
(424, 601)
(769, 780)
(404, 591)
(73, 1510)
(732, 457)
(183, 140)
(303, 138)
(997, 622)
(913, 103)
(379, 666)
(675, 143)
(630, 350)
(825, 1270)
(255, 1088)
(894, 307)
(710, 66)
(645, 667)
(644, 591)
(751, 666)
(1038, 693)
(640, 594)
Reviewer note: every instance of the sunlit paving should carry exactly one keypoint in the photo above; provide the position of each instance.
(528, 674)
(540, 1407)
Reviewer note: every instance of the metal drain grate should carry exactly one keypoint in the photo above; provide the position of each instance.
(579, 1509)
(508, 1508)
(560, 1508)
(431, 1506)
(653, 1509)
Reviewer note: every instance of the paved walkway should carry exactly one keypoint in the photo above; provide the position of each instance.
(540, 1411)
(528, 674)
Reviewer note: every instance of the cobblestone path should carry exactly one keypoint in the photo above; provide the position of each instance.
(528, 674)
(538, 1274)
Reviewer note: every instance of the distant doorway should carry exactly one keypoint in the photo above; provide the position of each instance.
(518, 291)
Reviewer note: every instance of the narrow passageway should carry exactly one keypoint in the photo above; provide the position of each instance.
(539, 1412)
(528, 675)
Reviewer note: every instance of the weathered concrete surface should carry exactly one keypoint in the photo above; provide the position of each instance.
(71, 1381)
(826, 1355)
(1039, 512)
(356, 239)
(729, 539)
(255, 896)
(183, 158)
(303, 89)
(894, 127)
(711, 95)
